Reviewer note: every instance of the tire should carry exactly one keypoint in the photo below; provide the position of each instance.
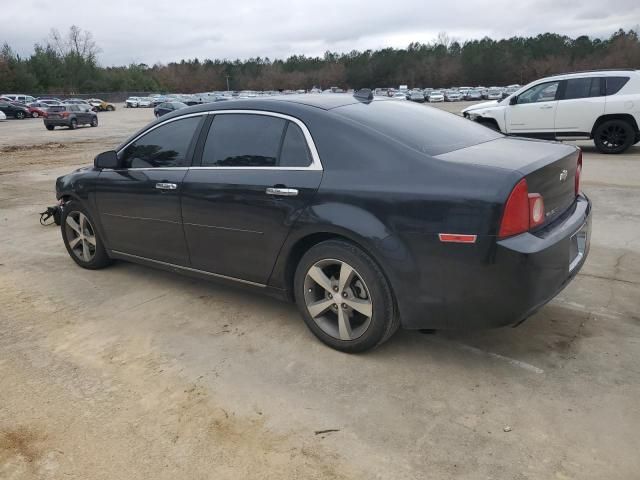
(110, 108)
(614, 136)
(94, 121)
(20, 115)
(368, 288)
(88, 255)
(73, 124)
(34, 114)
(49, 127)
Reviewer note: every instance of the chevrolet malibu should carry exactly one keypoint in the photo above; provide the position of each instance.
(370, 214)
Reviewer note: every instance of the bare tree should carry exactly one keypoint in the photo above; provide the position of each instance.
(77, 42)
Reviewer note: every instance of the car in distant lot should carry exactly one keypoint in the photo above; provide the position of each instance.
(14, 110)
(81, 103)
(69, 115)
(416, 96)
(38, 109)
(473, 95)
(101, 105)
(452, 96)
(494, 94)
(435, 96)
(135, 102)
(454, 226)
(24, 99)
(168, 107)
(601, 105)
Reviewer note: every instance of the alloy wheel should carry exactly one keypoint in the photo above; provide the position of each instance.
(338, 299)
(613, 136)
(81, 236)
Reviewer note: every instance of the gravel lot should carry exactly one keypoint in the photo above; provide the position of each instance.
(131, 373)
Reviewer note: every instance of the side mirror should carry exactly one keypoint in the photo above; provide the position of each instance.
(107, 159)
(513, 100)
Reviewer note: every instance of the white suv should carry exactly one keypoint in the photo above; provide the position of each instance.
(601, 105)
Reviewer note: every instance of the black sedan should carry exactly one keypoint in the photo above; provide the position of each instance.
(15, 110)
(168, 107)
(369, 214)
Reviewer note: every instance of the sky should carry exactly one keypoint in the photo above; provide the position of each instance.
(161, 31)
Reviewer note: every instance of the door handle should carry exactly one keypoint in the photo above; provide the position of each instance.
(283, 192)
(166, 186)
(546, 107)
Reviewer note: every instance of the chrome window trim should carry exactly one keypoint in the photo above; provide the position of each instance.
(316, 164)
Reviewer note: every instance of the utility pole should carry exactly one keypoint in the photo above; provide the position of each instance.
(227, 76)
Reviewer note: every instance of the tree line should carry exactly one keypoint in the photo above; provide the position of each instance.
(68, 64)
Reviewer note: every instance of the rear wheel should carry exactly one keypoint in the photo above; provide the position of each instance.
(110, 108)
(20, 115)
(344, 297)
(614, 136)
(74, 124)
(81, 239)
(49, 127)
(35, 114)
(94, 122)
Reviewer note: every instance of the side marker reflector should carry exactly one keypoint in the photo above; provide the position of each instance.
(457, 238)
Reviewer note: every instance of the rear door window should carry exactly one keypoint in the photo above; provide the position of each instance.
(243, 140)
(581, 88)
(295, 150)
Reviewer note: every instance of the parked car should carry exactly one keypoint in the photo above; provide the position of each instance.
(464, 228)
(599, 105)
(452, 96)
(83, 104)
(135, 102)
(473, 95)
(494, 94)
(21, 98)
(399, 95)
(101, 105)
(14, 109)
(168, 107)
(416, 96)
(436, 96)
(69, 115)
(38, 109)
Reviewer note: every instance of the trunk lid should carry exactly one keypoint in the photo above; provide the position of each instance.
(549, 167)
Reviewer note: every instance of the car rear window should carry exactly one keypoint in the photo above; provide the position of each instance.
(614, 84)
(422, 128)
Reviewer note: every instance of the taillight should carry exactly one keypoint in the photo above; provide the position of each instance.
(65, 114)
(578, 172)
(522, 211)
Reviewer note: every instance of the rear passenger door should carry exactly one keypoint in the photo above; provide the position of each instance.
(257, 173)
(581, 102)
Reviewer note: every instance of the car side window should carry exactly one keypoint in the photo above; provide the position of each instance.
(164, 146)
(295, 150)
(614, 84)
(544, 92)
(582, 88)
(74, 108)
(243, 140)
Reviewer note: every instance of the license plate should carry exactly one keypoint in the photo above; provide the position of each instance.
(578, 246)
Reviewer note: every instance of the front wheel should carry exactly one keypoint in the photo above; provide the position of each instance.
(19, 115)
(110, 108)
(94, 122)
(49, 127)
(81, 238)
(614, 136)
(35, 114)
(74, 124)
(344, 297)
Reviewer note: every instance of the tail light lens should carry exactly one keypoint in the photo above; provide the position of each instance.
(578, 172)
(65, 114)
(522, 211)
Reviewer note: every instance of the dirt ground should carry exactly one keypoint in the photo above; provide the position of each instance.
(131, 373)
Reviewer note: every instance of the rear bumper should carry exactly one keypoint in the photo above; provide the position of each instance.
(57, 122)
(502, 283)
